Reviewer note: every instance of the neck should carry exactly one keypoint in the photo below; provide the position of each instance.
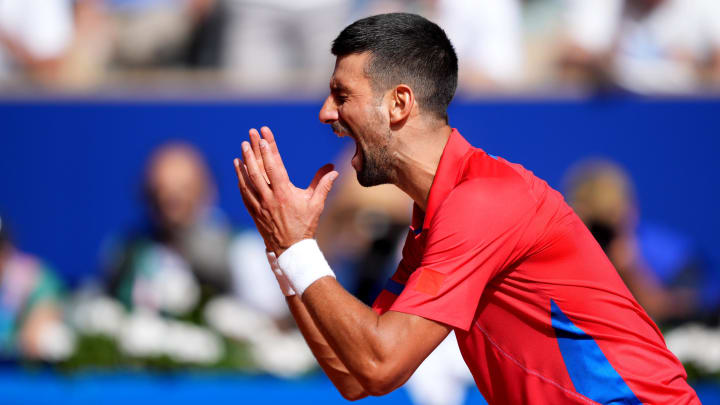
(417, 155)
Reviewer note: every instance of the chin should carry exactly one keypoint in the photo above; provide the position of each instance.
(369, 180)
(374, 168)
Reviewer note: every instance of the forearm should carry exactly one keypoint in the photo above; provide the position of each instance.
(359, 338)
(343, 380)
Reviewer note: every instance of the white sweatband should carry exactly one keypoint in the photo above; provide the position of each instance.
(283, 281)
(303, 263)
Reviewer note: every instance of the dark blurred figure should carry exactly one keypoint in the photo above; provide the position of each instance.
(660, 266)
(646, 46)
(30, 315)
(182, 256)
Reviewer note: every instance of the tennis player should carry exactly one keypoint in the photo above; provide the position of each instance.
(493, 253)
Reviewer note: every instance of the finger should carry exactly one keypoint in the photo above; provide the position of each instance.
(323, 189)
(270, 138)
(319, 175)
(273, 167)
(255, 176)
(255, 145)
(246, 191)
(249, 199)
(255, 142)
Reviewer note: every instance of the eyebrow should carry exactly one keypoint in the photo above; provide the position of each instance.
(337, 87)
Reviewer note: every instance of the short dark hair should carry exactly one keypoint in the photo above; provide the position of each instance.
(405, 48)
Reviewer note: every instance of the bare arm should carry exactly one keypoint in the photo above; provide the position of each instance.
(348, 385)
(381, 351)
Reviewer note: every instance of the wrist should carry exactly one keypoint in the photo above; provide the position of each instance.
(303, 264)
(282, 280)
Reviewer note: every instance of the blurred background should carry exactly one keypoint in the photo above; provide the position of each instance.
(130, 271)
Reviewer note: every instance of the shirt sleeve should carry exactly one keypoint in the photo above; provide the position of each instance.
(475, 233)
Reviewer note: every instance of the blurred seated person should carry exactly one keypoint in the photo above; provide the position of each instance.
(187, 255)
(31, 324)
(488, 38)
(660, 266)
(646, 46)
(180, 258)
(166, 33)
(272, 45)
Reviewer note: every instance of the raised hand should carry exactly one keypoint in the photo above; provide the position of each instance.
(283, 213)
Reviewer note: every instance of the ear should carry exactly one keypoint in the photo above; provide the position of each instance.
(402, 101)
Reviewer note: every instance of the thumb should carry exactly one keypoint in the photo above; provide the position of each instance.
(319, 175)
(323, 189)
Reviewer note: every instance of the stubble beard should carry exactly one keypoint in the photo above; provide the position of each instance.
(376, 168)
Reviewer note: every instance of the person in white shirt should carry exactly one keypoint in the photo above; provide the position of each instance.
(647, 46)
(34, 35)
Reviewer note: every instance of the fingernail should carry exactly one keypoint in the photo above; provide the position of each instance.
(245, 146)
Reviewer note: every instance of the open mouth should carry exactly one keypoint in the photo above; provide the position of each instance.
(341, 132)
(356, 160)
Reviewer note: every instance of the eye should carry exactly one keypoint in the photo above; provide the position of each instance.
(340, 99)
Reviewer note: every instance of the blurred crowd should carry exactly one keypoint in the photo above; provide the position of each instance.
(281, 47)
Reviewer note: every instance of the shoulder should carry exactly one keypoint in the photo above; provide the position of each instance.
(479, 210)
(488, 195)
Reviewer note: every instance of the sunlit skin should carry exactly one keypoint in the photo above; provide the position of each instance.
(362, 353)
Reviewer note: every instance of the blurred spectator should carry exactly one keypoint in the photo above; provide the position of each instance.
(34, 37)
(660, 267)
(488, 38)
(182, 257)
(87, 59)
(278, 44)
(189, 252)
(30, 314)
(151, 33)
(644, 45)
(188, 279)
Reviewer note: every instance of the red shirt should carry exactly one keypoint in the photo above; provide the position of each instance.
(540, 313)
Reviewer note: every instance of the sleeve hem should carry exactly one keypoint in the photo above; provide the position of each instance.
(453, 323)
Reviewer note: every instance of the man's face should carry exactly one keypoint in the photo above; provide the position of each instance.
(177, 187)
(353, 109)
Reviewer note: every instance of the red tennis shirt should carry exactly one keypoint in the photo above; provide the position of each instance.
(540, 314)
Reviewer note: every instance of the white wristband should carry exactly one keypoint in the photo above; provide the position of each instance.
(303, 264)
(283, 281)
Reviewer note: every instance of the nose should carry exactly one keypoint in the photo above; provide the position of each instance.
(328, 111)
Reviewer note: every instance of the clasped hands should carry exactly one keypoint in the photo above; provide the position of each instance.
(283, 213)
